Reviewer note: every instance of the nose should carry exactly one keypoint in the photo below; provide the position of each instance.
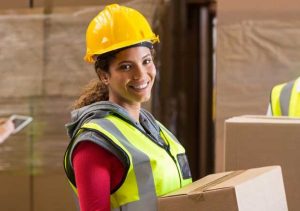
(139, 72)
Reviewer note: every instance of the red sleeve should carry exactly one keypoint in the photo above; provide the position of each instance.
(97, 172)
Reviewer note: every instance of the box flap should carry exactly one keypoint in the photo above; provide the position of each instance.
(245, 176)
(197, 184)
(204, 184)
(265, 192)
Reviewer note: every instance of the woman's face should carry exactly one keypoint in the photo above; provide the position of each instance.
(131, 76)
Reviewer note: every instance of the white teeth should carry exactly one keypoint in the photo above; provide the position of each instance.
(142, 86)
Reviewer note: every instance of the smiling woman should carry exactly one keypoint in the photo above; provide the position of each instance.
(119, 156)
(130, 78)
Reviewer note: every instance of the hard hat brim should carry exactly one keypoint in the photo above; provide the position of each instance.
(89, 57)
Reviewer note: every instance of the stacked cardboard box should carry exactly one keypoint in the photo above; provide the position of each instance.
(258, 189)
(254, 141)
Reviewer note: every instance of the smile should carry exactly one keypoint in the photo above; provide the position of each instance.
(140, 86)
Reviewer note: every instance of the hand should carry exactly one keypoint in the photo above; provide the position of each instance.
(6, 129)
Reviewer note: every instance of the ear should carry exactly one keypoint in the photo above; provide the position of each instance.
(104, 77)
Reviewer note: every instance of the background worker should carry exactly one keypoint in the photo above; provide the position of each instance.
(285, 99)
(120, 157)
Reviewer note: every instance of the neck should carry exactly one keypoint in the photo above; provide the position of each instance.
(132, 109)
(134, 112)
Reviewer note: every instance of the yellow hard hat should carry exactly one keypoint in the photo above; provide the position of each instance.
(116, 27)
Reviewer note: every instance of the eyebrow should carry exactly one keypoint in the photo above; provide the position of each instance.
(128, 61)
(148, 54)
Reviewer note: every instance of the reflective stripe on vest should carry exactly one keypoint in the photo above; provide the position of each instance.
(285, 99)
(152, 171)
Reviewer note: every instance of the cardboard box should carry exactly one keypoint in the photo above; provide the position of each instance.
(251, 57)
(254, 141)
(259, 189)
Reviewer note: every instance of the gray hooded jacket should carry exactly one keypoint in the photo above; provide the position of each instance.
(147, 125)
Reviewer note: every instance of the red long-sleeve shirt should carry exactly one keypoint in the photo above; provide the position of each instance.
(97, 172)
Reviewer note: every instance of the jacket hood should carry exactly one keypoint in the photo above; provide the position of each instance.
(95, 110)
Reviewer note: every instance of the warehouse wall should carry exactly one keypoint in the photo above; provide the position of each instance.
(42, 73)
(258, 45)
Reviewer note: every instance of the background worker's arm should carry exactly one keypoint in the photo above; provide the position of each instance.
(6, 129)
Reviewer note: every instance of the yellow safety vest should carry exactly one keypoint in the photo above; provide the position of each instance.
(285, 99)
(153, 170)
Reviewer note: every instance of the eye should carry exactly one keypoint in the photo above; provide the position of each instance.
(147, 61)
(125, 67)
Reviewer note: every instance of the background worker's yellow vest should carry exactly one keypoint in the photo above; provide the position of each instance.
(285, 99)
(153, 170)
